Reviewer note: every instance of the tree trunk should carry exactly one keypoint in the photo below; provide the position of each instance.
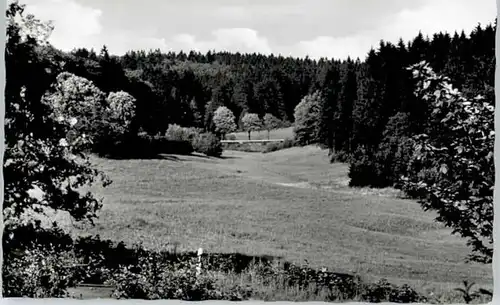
(249, 135)
(268, 133)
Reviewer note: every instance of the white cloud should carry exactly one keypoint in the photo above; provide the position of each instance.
(433, 17)
(436, 16)
(347, 29)
(443, 15)
(336, 47)
(233, 39)
(75, 24)
(233, 12)
(120, 42)
(185, 40)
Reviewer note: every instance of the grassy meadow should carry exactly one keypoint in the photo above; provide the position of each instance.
(290, 203)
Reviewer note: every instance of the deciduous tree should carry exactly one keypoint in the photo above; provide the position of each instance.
(44, 164)
(271, 122)
(224, 121)
(307, 115)
(453, 167)
(251, 122)
(121, 109)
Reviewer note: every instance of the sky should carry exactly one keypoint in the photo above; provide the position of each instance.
(298, 28)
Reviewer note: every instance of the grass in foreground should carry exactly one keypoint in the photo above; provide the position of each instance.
(289, 203)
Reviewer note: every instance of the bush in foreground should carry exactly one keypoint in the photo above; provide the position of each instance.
(37, 273)
(37, 265)
(157, 279)
(452, 164)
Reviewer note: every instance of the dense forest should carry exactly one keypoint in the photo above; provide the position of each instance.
(366, 106)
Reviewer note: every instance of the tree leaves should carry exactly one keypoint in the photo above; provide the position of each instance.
(458, 148)
(35, 131)
(306, 115)
(251, 122)
(224, 120)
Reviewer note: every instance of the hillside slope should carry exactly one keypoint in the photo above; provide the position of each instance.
(289, 203)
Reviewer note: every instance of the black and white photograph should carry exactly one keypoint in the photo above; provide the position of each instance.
(257, 151)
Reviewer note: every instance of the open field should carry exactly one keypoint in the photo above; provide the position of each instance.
(282, 133)
(291, 203)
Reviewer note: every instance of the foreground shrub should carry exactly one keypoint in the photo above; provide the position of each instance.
(137, 273)
(187, 280)
(469, 295)
(156, 279)
(302, 278)
(208, 144)
(44, 149)
(37, 273)
(36, 261)
(452, 165)
(383, 291)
